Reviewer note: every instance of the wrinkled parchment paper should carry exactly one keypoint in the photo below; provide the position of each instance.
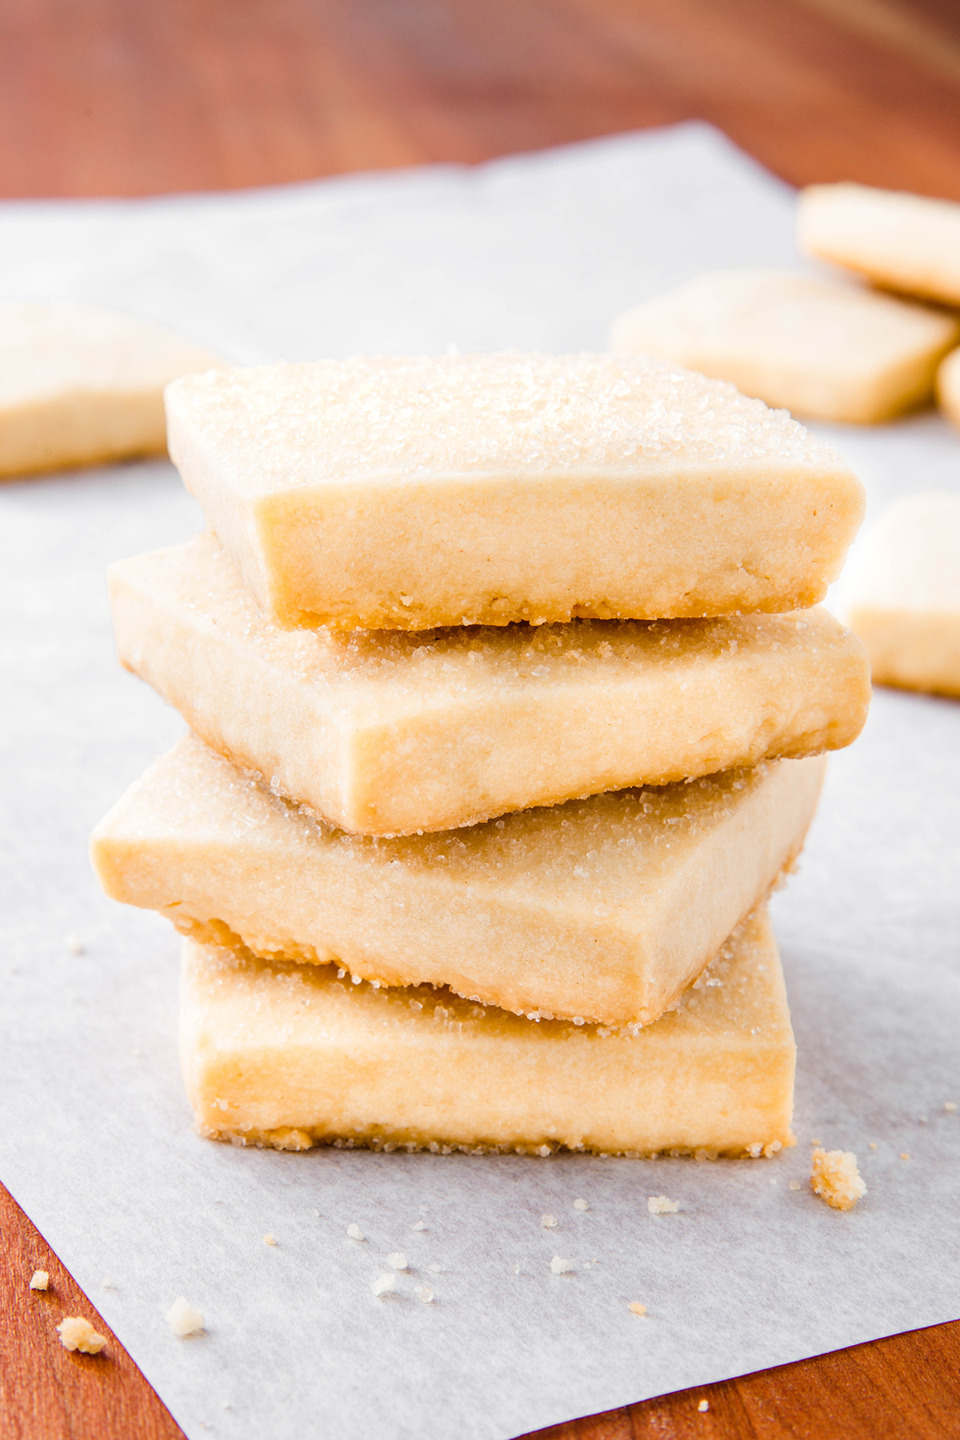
(95, 1140)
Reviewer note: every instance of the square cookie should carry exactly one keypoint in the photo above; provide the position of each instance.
(601, 909)
(904, 594)
(906, 242)
(80, 385)
(824, 349)
(292, 1056)
(407, 493)
(390, 733)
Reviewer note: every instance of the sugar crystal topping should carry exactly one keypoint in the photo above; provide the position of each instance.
(289, 424)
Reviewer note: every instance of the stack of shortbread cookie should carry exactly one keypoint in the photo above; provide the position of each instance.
(507, 710)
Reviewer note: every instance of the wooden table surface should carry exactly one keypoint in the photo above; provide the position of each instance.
(136, 97)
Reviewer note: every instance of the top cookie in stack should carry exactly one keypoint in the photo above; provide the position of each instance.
(494, 489)
(455, 589)
(405, 494)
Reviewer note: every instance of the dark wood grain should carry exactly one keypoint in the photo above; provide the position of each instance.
(902, 1388)
(135, 97)
(119, 97)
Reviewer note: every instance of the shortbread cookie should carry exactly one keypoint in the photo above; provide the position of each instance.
(293, 1056)
(948, 386)
(821, 348)
(410, 493)
(604, 908)
(79, 385)
(906, 242)
(390, 733)
(904, 597)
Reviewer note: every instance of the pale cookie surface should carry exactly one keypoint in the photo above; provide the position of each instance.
(79, 385)
(408, 493)
(288, 1055)
(389, 733)
(907, 242)
(904, 595)
(821, 348)
(603, 908)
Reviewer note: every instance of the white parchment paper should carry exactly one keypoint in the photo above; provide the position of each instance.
(95, 1137)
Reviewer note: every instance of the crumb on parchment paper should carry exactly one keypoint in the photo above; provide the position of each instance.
(637, 1307)
(76, 1333)
(835, 1178)
(660, 1205)
(183, 1319)
(559, 1266)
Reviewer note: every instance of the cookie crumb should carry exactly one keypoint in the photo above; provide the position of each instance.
(76, 1333)
(268, 1239)
(794, 1185)
(950, 1105)
(904, 1154)
(835, 1178)
(637, 1307)
(384, 1284)
(703, 1406)
(397, 1260)
(355, 1232)
(580, 1205)
(660, 1205)
(873, 1144)
(74, 944)
(420, 1225)
(425, 1294)
(39, 1280)
(183, 1319)
(548, 1221)
(561, 1267)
